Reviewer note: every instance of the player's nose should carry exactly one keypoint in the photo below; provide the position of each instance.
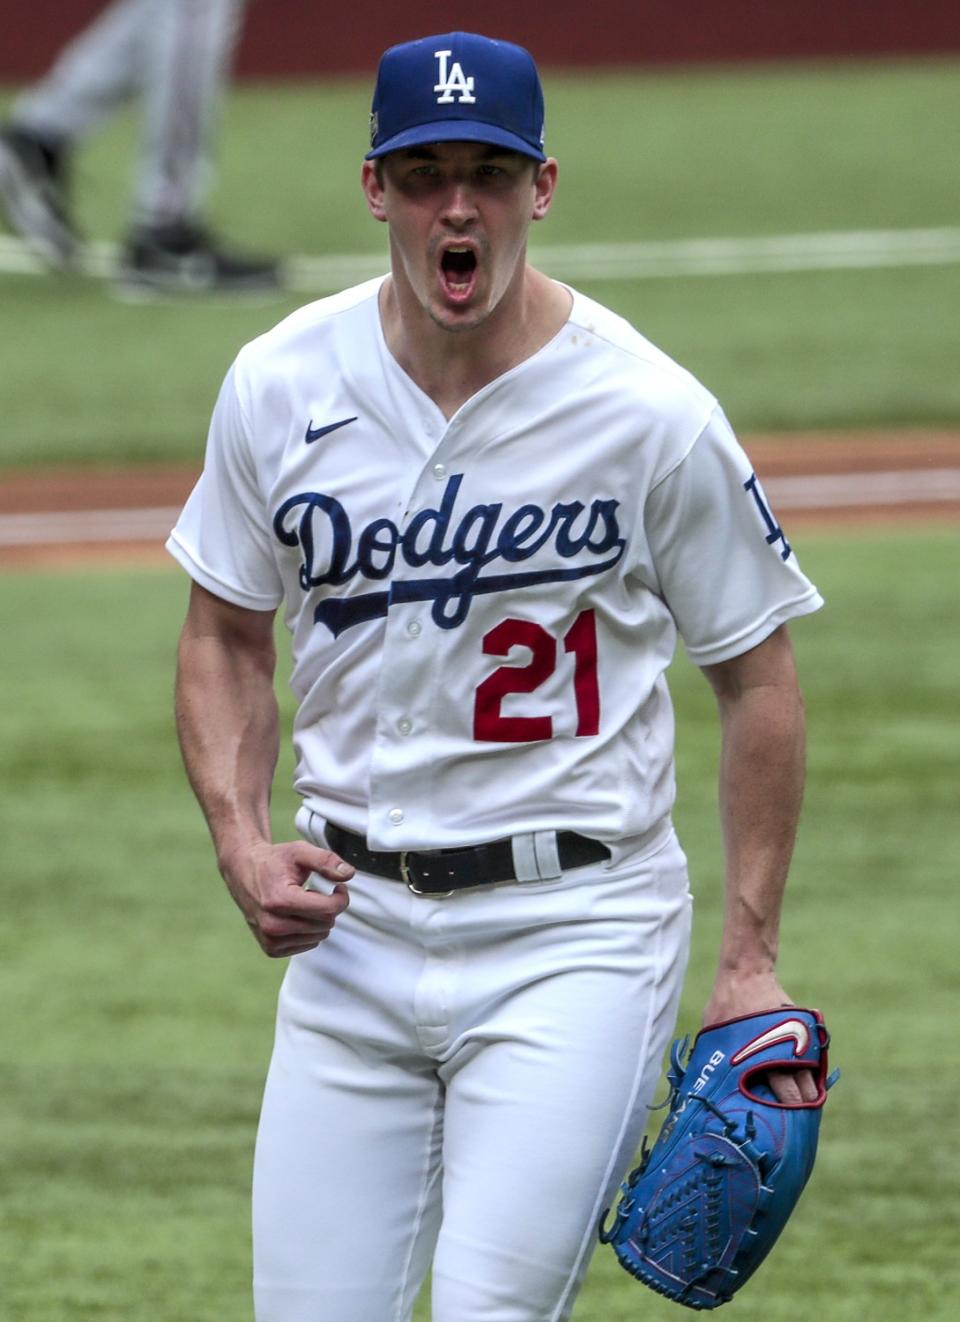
(459, 207)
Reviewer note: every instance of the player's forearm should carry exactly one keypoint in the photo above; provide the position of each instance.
(761, 789)
(228, 727)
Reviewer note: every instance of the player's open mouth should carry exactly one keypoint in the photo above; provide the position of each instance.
(458, 270)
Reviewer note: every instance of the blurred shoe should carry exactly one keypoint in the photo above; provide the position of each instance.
(33, 195)
(185, 259)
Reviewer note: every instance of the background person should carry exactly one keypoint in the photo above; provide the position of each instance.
(173, 56)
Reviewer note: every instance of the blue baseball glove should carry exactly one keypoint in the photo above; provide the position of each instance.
(705, 1205)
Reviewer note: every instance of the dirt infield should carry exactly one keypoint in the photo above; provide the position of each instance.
(60, 518)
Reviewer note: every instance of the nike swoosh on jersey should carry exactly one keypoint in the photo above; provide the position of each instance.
(314, 433)
(790, 1028)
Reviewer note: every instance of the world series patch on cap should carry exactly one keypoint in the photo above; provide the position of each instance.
(457, 87)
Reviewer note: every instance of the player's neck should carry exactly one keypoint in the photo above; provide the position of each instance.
(451, 366)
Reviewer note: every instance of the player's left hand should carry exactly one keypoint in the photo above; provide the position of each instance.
(706, 1204)
(733, 997)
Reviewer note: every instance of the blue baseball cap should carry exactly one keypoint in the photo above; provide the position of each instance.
(457, 87)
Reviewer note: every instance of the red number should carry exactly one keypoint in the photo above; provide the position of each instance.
(581, 640)
(490, 725)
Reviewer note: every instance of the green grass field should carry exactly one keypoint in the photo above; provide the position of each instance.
(643, 157)
(137, 1011)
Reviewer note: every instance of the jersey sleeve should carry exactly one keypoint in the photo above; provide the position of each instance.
(221, 538)
(724, 566)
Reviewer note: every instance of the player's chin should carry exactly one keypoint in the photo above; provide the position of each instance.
(459, 313)
(461, 320)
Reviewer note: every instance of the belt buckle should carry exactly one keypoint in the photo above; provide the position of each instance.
(410, 881)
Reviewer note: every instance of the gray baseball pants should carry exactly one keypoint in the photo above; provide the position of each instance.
(174, 56)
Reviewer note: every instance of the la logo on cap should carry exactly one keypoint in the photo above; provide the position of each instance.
(434, 89)
(452, 80)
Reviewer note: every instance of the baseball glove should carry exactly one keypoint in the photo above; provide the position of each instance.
(705, 1205)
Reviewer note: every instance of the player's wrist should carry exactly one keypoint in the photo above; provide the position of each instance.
(745, 962)
(741, 991)
(237, 848)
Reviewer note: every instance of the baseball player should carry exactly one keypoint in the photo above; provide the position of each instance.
(174, 56)
(487, 506)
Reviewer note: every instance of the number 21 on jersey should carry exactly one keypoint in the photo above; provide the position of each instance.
(489, 723)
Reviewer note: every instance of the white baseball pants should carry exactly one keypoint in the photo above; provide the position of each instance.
(460, 1084)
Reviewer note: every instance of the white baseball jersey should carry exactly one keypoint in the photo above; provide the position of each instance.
(482, 609)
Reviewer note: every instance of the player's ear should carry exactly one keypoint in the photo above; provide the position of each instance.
(545, 184)
(371, 181)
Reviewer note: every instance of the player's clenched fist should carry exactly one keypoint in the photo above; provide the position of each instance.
(267, 882)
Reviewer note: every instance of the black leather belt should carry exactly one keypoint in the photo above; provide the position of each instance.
(443, 871)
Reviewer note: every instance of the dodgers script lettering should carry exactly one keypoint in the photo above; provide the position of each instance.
(465, 542)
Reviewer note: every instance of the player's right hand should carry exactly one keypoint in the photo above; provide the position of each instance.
(267, 882)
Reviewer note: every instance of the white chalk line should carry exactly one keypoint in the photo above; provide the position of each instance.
(756, 255)
(54, 528)
(821, 491)
(871, 490)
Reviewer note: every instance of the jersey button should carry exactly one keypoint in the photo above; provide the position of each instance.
(439, 472)
(404, 725)
(396, 816)
(414, 628)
